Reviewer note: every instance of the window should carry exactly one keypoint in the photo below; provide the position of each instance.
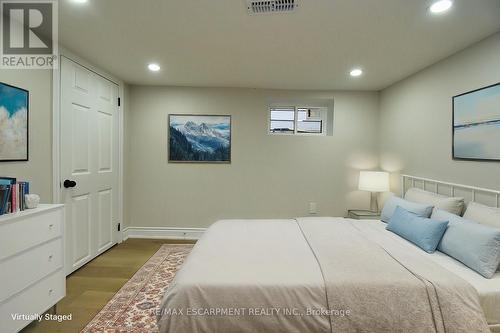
(309, 121)
(297, 120)
(282, 120)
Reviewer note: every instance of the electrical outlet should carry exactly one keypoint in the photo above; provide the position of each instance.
(313, 208)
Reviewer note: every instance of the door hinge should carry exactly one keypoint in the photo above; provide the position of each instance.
(119, 226)
(119, 101)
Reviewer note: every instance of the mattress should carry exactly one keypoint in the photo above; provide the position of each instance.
(488, 289)
(314, 275)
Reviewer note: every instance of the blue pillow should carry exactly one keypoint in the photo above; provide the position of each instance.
(421, 231)
(475, 245)
(393, 202)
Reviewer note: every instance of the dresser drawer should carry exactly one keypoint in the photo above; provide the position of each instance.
(36, 299)
(32, 230)
(20, 271)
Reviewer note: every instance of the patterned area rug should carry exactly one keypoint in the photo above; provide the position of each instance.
(132, 308)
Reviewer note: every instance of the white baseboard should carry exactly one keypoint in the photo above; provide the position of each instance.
(163, 233)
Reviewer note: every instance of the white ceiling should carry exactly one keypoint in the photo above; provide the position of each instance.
(216, 43)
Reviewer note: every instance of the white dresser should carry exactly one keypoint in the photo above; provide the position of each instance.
(32, 278)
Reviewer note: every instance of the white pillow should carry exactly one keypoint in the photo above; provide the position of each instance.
(483, 214)
(393, 202)
(449, 204)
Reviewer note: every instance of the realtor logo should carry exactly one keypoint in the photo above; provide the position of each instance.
(28, 34)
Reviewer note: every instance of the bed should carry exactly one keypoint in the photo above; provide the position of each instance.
(323, 275)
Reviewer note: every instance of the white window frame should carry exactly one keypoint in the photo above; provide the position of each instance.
(324, 120)
(271, 108)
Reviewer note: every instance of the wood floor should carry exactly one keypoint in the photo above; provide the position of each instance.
(92, 286)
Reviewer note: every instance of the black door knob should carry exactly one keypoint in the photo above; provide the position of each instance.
(69, 183)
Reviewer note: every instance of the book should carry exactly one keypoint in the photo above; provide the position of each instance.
(21, 196)
(3, 195)
(24, 190)
(4, 198)
(6, 204)
(12, 195)
(14, 198)
(7, 180)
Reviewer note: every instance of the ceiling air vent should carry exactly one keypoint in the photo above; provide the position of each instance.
(271, 6)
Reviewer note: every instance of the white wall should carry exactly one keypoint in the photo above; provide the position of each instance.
(269, 177)
(38, 170)
(276, 176)
(416, 118)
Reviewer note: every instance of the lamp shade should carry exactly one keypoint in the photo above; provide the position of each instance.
(374, 181)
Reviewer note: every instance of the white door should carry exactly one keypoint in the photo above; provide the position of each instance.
(89, 162)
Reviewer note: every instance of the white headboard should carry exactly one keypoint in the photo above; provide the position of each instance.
(470, 193)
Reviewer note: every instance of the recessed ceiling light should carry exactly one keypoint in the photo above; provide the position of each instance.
(154, 67)
(80, 1)
(356, 72)
(440, 6)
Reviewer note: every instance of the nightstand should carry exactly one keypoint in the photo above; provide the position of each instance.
(359, 214)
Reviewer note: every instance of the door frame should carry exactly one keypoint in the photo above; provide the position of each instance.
(56, 128)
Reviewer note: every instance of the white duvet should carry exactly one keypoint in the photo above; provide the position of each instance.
(314, 275)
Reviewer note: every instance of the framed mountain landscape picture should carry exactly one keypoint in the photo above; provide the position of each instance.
(476, 125)
(199, 138)
(14, 105)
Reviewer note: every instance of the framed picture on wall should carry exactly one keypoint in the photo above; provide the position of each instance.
(476, 124)
(14, 108)
(199, 138)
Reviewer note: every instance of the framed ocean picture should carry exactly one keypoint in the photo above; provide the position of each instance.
(14, 108)
(476, 124)
(199, 138)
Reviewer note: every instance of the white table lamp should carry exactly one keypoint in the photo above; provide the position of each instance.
(374, 182)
